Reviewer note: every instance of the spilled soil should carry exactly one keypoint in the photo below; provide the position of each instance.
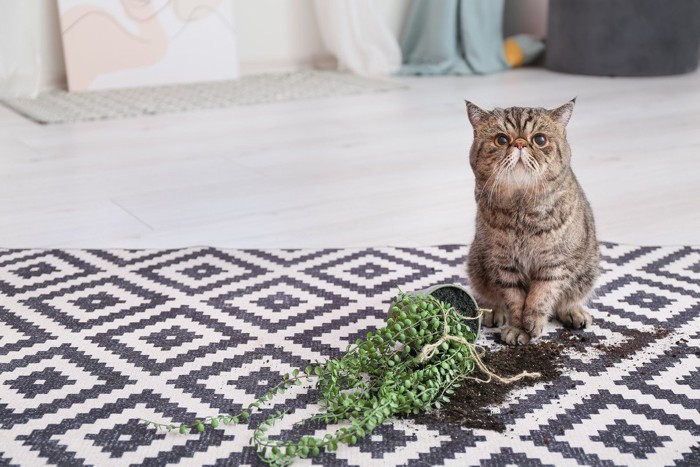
(470, 405)
(636, 341)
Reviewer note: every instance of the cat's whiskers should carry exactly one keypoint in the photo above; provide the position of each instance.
(486, 184)
(498, 172)
(500, 178)
(535, 191)
(534, 180)
(504, 179)
(505, 175)
(494, 188)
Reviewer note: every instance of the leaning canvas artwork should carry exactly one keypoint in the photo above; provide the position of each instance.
(127, 43)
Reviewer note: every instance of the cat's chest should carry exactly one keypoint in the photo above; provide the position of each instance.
(518, 239)
(519, 223)
(522, 255)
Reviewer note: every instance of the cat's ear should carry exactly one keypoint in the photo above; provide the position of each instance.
(476, 114)
(563, 114)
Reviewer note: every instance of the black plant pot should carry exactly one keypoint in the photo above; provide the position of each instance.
(623, 37)
(459, 297)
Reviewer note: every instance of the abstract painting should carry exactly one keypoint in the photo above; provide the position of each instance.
(129, 43)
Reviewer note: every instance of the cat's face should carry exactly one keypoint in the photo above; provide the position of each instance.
(518, 148)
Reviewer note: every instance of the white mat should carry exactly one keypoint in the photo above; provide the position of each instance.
(65, 107)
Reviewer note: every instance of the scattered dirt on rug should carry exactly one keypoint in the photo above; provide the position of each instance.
(470, 405)
(636, 340)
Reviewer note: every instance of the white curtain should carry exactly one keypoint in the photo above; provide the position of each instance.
(355, 32)
(20, 60)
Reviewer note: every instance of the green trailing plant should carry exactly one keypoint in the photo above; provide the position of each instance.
(411, 365)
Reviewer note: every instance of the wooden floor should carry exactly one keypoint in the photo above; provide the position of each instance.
(373, 169)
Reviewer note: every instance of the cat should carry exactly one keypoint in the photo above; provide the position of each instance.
(535, 252)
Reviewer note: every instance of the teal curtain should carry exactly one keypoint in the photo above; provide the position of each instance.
(455, 37)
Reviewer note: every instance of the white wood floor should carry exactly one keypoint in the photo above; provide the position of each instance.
(373, 169)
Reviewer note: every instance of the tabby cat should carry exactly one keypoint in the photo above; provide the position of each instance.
(535, 252)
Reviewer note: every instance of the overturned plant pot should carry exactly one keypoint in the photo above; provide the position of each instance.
(460, 298)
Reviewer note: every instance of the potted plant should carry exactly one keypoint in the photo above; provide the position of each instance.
(411, 365)
(459, 297)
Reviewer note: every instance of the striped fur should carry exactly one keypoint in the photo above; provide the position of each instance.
(535, 252)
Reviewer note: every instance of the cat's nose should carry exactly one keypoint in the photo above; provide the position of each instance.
(520, 142)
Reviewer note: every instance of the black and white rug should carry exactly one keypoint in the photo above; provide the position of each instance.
(92, 340)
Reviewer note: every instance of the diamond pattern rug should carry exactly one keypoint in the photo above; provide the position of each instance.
(92, 340)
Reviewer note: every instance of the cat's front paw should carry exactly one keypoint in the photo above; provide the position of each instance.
(533, 324)
(514, 336)
(494, 318)
(574, 317)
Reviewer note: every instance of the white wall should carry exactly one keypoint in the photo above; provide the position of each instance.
(31, 57)
(526, 16)
(282, 34)
(272, 34)
(50, 48)
(277, 34)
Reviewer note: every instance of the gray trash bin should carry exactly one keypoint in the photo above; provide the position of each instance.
(623, 37)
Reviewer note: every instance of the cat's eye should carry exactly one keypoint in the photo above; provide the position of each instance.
(501, 139)
(540, 139)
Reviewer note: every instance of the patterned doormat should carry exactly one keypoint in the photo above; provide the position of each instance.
(65, 107)
(92, 340)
